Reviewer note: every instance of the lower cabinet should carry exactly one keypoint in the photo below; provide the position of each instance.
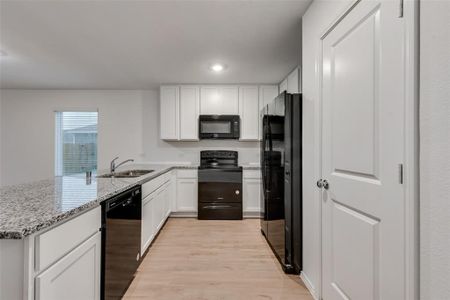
(156, 208)
(251, 192)
(187, 191)
(147, 226)
(75, 276)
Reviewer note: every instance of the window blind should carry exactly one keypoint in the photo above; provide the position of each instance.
(75, 142)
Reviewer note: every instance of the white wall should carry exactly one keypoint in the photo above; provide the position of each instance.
(319, 16)
(435, 149)
(29, 128)
(156, 149)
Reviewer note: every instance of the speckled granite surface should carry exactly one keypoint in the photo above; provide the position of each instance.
(28, 208)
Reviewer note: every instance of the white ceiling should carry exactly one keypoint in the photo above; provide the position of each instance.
(142, 44)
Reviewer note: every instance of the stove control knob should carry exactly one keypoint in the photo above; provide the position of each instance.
(237, 192)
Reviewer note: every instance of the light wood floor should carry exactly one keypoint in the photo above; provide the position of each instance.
(211, 260)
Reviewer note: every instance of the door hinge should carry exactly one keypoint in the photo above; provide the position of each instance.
(400, 13)
(400, 173)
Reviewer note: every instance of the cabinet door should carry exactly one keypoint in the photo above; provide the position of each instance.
(187, 198)
(266, 94)
(219, 100)
(147, 225)
(293, 81)
(169, 113)
(283, 85)
(251, 197)
(173, 191)
(189, 111)
(168, 199)
(158, 210)
(75, 276)
(249, 112)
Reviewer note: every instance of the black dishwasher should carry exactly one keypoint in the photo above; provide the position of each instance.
(121, 242)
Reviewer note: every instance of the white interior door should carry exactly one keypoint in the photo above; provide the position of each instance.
(363, 221)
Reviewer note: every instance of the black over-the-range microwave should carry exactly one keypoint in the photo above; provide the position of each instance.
(219, 127)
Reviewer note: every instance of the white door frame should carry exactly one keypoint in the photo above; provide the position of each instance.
(411, 142)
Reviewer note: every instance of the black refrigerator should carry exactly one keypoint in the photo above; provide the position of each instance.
(281, 167)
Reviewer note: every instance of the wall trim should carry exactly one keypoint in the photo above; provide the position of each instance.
(183, 214)
(193, 214)
(251, 214)
(309, 285)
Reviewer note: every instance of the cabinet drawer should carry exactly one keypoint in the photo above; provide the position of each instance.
(57, 242)
(75, 276)
(187, 173)
(155, 183)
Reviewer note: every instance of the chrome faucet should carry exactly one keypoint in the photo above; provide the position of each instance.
(113, 166)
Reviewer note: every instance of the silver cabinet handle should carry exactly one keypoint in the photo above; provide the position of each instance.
(319, 183)
(326, 185)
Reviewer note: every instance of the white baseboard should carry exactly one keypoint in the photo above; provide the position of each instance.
(251, 214)
(193, 214)
(309, 286)
(183, 214)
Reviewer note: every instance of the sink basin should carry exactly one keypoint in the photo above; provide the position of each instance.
(126, 174)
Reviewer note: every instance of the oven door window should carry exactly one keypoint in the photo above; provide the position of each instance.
(216, 127)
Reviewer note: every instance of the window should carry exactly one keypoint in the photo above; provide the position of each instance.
(76, 142)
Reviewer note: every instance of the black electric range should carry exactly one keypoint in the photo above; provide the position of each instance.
(219, 186)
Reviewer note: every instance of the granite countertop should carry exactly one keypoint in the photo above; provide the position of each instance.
(30, 207)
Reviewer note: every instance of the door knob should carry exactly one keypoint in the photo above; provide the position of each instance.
(325, 184)
(319, 183)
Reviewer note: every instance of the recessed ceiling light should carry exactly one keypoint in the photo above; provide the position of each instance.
(217, 68)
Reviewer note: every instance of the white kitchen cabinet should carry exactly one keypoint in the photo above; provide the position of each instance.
(173, 191)
(187, 191)
(169, 113)
(266, 94)
(75, 276)
(249, 113)
(53, 244)
(219, 100)
(147, 223)
(293, 82)
(158, 210)
(170, 195)
(283, 85)
(156, 207)
(251, 192)
(189, 111)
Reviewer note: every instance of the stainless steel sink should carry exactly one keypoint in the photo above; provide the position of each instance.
(126, 174)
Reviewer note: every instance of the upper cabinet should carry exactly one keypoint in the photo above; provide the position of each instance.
(249, 113)
(283, 85)
(291, 83)
(181, 105)
(219, 100)
(189, 111)
(266, 94)
(179, 110)
(169, 113)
